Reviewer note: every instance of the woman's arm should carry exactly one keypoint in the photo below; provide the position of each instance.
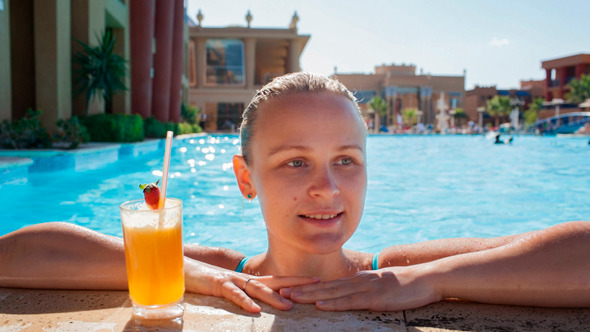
(543, 268)
(63, 256)
(67, 256)
(422, 252)
(222, 257)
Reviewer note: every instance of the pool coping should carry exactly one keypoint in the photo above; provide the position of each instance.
(67, 310)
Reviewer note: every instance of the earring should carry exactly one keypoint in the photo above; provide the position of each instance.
(249, 196)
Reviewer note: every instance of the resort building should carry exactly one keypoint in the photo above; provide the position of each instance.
(477, 98)
(560, 71)
(403, 90)
(227, 65)
(38, 40)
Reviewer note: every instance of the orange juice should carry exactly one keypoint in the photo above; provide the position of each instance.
(154, 259)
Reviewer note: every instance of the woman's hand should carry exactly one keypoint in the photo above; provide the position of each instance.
(388, 289)
(240, 288)
(548, 268)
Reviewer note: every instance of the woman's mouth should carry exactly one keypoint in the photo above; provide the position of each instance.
(327, 219)
(320, 216)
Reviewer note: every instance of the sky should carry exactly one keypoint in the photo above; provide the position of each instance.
(498, 42)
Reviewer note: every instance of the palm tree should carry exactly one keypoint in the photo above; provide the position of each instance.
(579, 90)
(498, 107)
(532, 112)
(460, 117)
(99, 71)
(410, 116)
(379, 106)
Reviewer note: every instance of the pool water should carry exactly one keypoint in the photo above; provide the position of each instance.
(420, 188)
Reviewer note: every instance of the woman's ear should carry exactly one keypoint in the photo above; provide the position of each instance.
(243, 177)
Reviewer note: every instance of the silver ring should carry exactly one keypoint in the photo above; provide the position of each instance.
(246, 283)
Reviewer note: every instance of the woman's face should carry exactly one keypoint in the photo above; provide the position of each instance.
(307, 166)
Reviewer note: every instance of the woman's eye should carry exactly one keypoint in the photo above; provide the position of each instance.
(295, 163)
(346, 161)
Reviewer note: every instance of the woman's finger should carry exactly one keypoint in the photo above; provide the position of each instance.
(242, 289)
(277, 283)
(262, 292)
(232, 292)
(328, 293)
(326, 290)
(350, 302)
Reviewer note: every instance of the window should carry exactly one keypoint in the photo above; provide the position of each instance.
(229, 116)
(225, 62)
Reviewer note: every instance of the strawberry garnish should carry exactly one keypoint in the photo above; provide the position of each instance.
(151, 194)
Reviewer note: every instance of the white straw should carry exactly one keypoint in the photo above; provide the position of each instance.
(169, 136)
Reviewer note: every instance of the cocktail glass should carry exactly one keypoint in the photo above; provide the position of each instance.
(154, 258)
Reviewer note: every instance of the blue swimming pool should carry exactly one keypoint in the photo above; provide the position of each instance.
(420, 188)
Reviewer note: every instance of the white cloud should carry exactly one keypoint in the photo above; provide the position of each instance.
(499, 42)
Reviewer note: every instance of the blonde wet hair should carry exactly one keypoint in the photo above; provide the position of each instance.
(295, 83)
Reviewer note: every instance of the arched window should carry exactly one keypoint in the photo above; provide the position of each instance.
(225, 62)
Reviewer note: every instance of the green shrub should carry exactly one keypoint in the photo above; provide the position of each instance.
(188, 128)
(134, 128)
(189, 113)
(154, 128)
(171, 126)
(71, 133)
(157, 129)
(101, 127)
(25, 133)
(197, 129)
(115, 127)
(184, 128)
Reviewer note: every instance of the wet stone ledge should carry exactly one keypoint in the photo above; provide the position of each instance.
(37, 310)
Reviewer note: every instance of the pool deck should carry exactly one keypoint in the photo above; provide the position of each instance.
(62, 310)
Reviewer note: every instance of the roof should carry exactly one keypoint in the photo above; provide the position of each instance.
(571, 60)
(357, 82)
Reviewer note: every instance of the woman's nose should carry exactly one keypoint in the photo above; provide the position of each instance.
(324, 184)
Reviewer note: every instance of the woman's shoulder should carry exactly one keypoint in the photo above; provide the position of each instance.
(365, 260)
(393, 256)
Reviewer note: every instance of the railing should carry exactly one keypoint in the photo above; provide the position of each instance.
(567, 123)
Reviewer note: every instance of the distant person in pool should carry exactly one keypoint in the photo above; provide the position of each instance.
(304, 158)
(507, 141)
